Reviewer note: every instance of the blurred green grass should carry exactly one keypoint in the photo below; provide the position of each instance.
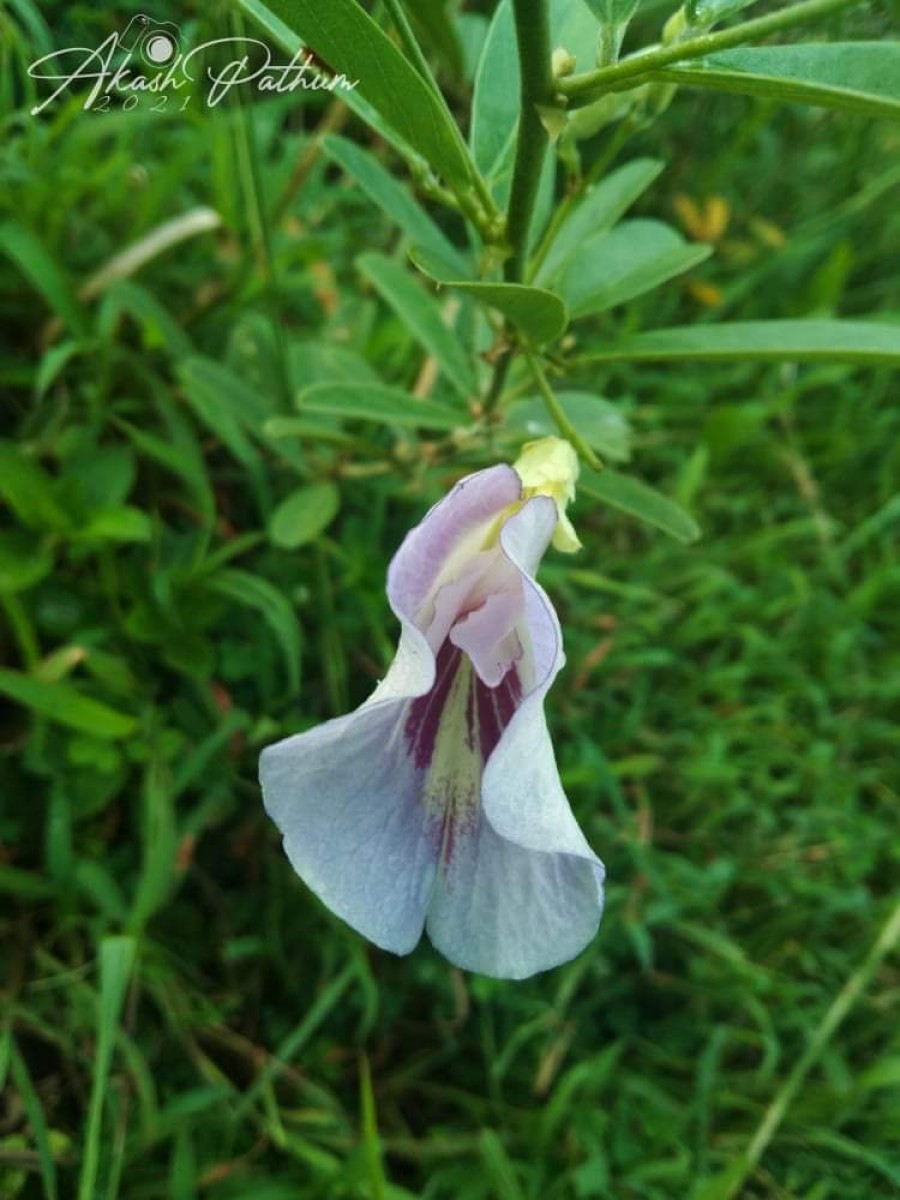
(181, 1018)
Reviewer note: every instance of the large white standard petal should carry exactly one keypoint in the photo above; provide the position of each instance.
(346, 797)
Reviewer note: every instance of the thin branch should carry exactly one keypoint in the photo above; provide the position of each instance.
(632, 69)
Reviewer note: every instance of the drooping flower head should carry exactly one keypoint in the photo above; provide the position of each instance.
(437, 804)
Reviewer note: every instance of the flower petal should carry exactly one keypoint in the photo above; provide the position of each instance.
(505, 911)
(522, 890)
(346, 797)
(488, 635)
(441, 554)
(521, 792)
(444, 541)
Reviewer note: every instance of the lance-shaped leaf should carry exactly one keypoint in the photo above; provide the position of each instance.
(343, 34)
(706, 13)
(859, 77)
(66, 705)
(631, 259)
(391, 197)
(422, 316)
(383, 405)
(597, 211)
(599, 421)
(438, 33)
(775, 341)
(639, 500)
(35, 261)
(540, 316)
(495, 106)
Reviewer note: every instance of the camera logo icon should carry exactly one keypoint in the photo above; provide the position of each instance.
(155, 41)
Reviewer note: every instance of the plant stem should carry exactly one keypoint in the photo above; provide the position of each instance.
(562, 422)
(536, 88)
(623, 132)
(639, 65)
(846, 998)
(420, 62)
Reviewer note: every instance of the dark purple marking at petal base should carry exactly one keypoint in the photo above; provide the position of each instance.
(488, 709)
(425, 712)
(494, 708)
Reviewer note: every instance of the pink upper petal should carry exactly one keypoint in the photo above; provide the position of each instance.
(464, 516)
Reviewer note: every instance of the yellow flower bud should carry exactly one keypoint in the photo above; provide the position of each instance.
(549, 467)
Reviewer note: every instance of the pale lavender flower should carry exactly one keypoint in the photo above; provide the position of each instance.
(438, 803)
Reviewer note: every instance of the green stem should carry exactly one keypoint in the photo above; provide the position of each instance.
(561, 214)
(846, 998)
(562, 422)
(498, 379)
(536, 88)
(23, 630)
(639, 65)
(483, 221)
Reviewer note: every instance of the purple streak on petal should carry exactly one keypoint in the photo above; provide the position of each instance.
(494, 708)
(425, 712)
(474, 503)
(459, 820)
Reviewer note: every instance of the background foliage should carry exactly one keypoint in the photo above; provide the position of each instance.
(191, 566)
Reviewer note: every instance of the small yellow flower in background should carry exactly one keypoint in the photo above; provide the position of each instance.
(707, 222)
(706, 294)
(549, 467)
(768, 232)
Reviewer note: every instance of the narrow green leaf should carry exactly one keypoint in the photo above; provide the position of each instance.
(599, 422)
(495, 106)
(117, 955)
(642, 501)
(597, 212)
(159, 326)
(183, 460)
(325, 362)
(386, 406)
(540, 316)
(438, 33)
(30, 492)
(64, 704)
(371, 1141)
(54, 362)
(25, 885)
(303, 515)
(278, 428)
(858, 77)
(124, 523)
(633, 258)
(159, 845)
(613, 12)
(498, 1167)
(343, 34)
(422, 316)
(392, 198)
(273, 606)
(36, 1120)
(35, 262)
(225, 405)
(23, 562)
(773, 341)
(706, 13)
